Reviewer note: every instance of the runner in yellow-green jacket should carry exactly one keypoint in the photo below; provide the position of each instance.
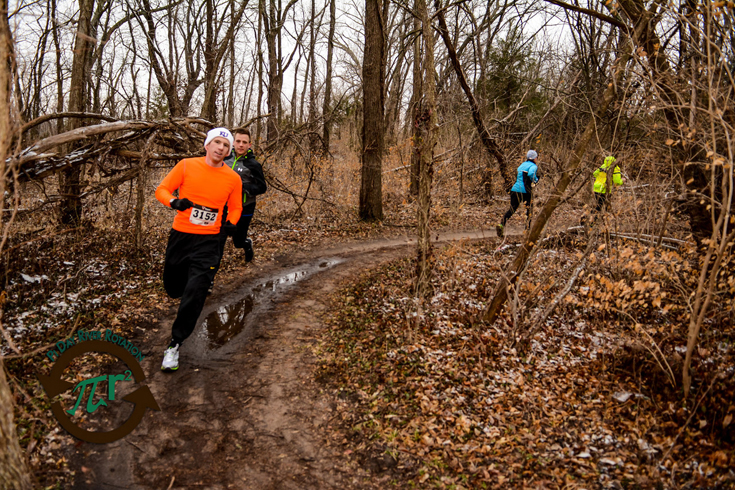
(602, 187)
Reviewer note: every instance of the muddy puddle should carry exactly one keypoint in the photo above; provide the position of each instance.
(229, 320)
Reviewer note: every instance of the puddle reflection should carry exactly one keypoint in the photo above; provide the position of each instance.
(228, 321)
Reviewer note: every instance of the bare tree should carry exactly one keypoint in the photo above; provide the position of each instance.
(500, 294)
(373, 132)
(274, 18)
(488, 141)
(398, 47)
(414, 107)
(314, 27)
(327, 108)
(165, 62)
(59, 77)
(215, 50)
(71, 207)
(14, 473)
(261, 67)
(426, 122)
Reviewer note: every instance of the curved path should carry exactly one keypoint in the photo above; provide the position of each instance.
(243, 411)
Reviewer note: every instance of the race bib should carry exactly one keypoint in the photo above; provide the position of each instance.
(203, 216)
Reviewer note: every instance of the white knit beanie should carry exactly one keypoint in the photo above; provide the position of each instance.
(531, 155)
(221, 133)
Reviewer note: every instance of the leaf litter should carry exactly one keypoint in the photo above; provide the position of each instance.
(455, 404)
(428, 394)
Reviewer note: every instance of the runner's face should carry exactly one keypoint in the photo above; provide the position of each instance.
(218, 149)
(242, 144)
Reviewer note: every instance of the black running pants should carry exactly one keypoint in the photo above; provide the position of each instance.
(191, 262)
(241, 232)
(516, 198)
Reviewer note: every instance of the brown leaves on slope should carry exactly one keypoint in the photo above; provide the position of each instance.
(456, 408)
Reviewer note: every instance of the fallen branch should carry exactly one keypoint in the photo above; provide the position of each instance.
(60, 115)
(640, 238)
(80, 134)
(651, 238)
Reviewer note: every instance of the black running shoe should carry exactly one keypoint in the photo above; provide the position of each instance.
(249, 252)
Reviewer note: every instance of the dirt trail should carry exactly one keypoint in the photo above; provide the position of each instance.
(243, 410)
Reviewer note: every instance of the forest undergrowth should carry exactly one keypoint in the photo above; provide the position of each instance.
(441, 399)
(59, 280)
(594, 400)
(92, 278)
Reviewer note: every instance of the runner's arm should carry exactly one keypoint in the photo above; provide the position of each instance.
(533, 173)
(234, 203)
(617, 176)
(171, 182)
(258, 185)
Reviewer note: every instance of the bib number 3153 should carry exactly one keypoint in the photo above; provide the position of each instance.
(203, 216)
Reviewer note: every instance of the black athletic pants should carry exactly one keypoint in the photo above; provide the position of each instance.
(516, 198)
(243, 224)
(191, 262)
(241, 231)
(601, 201)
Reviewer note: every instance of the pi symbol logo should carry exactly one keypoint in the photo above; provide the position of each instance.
(54, 385)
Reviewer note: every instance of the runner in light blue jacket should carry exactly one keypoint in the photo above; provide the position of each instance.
(521, 190)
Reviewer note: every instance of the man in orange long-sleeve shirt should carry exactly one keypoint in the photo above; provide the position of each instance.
(205, 185)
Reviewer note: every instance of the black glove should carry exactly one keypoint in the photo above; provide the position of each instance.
(181, 204)
(229, 228)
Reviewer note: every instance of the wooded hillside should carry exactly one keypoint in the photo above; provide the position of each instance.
(388, 119)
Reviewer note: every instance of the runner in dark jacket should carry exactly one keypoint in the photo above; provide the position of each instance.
(242, 161)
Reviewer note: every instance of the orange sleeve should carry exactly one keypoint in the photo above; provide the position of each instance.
(171, 182)
(234, 203)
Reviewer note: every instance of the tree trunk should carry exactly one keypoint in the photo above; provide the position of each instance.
(490, 145)
(695, 177)
(373, 79)
(275, 75)
(59, 78)
(167, 74)
(32, 108)
(215, 51)
(414, 110)
(71, 206)
(427, 124)
(302, 116)
(140, 188)
(95, 59)
(209, 107)
(258, 125)
(396, 83)
(230, 117)
(313, 116)
(327, 110)
(294, 96)
(13, 468)
(14, 473)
